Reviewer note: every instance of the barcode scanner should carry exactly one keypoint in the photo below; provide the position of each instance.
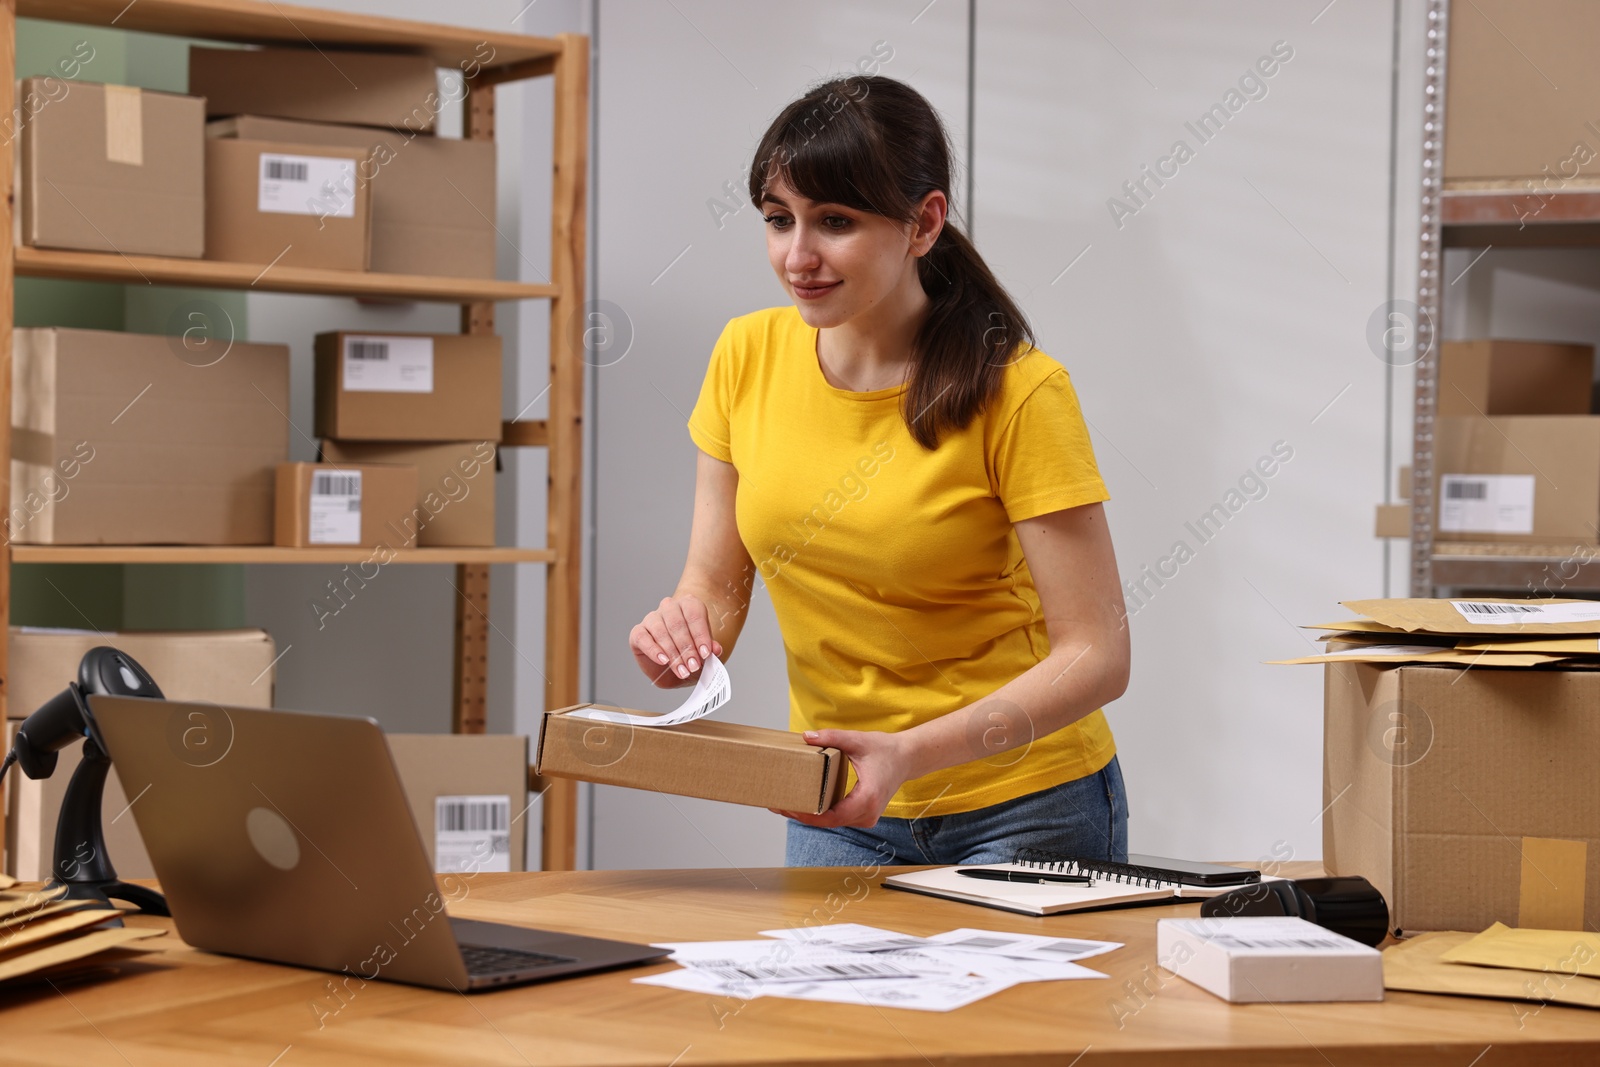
(81, 862)
(1348, 905)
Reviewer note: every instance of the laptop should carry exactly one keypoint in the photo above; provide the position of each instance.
(285, 836)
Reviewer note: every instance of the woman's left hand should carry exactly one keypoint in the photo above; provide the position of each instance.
(882, 765)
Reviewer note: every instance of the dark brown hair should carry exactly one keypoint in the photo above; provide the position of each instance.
(875, 144)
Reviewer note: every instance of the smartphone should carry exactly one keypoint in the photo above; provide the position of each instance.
(1190, 872)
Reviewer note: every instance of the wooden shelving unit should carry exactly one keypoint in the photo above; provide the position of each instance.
(1479, 214)
(486, 59)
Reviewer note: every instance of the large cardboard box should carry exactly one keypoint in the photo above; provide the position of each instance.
(408, 387)
(117, 439)
(287, 205)
(469, 794)
(329, 504)
(1517, 478)
(319, 85)
(232, 667)
(1464, 795)
(433, 198)
(455, 487)
(713, 760)
(1518, 98)
(112, 168)
(1493, 377)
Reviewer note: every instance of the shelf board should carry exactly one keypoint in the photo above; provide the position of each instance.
(1534, 569)
(267, 554)
(271, 23)
(210, 274)
(1509, 214)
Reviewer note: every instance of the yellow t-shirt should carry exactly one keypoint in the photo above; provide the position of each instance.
(898, 581)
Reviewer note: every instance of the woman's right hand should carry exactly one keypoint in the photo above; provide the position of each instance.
(671, 643)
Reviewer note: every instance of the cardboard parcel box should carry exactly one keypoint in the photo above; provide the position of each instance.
(1467, 797)
(408, 386)
(112, 168)
(233, 667)
(117, 439)
(433, 198)
(381, 89)
(327, 504)
(1519, 95)
(1492, 377)
(712, 760)
(1513, 478)
(288, 205)
(455, 487)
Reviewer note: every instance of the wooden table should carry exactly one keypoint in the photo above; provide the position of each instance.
(185, 1008)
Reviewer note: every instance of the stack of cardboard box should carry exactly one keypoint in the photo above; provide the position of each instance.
(298, 166)
(1460, 739)
(305, 167)
(429, 402)
(1516, 452)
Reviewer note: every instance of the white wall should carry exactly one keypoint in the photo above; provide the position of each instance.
(1229, 313)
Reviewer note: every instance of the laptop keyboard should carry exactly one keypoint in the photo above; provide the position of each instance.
(489, 960)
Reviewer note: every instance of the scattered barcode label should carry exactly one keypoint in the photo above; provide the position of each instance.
(335, 511)
(471, 834)
(1486, 503)
(1490, 613)
(802, 972)
(394, 364)
(322, 186)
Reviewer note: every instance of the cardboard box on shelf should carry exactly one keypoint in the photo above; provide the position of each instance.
(1517, 478)
(469, 793)
(1517, 107)
(433, 198)
(112, 168)
(116, 439)
(321, 504)
(319, 85)
(1392, 520)
(217, 666)
(713, 760)
(1493, 377)
(1442, 784)
(408, 387)
(455, 487)
(287, 205)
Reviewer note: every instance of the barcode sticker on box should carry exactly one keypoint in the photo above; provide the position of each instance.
(471, 834)
(323, 186)
(1486, 503)
(1495, 613)
(380, 364)
(335, 508)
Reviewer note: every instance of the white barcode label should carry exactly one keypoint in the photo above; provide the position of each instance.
(323, 186)
(1279, 944)
(471, 834)
(388, 364)
(1491, 613)
(335, 508)
(1486, 503)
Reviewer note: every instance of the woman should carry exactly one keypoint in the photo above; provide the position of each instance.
(911, 481)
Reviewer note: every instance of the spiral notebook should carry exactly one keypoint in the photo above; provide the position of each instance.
(1116, 885)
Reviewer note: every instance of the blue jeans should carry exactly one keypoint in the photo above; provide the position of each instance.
(1083, 818)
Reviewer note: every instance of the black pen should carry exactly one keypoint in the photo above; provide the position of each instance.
(1035, 877)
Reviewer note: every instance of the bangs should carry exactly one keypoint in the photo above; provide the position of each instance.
(823, 149)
